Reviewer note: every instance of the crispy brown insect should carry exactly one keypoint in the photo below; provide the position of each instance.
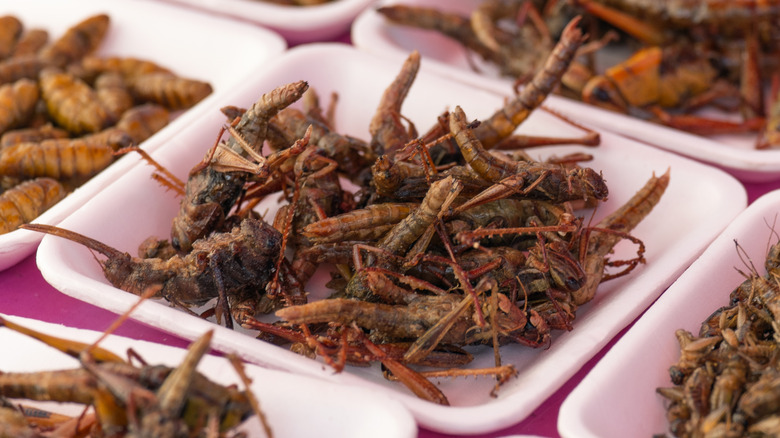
(215, 184)
(129, 67)
(240, 259)
(538, 180)
(17, 103)
(113, 94)
(10, 30)
(141, 121)
(55, 158)
(501, 124)
(20, 67)
(290, 124)
(30, 42)
(128, 399)
(168, 90)
(72, 103)
(387, 133)
(34, 135)
(26, 201)
(78, 41)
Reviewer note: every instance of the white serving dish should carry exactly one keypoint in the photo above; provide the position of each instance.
(330, 410)
(165, 34)
(734, 152)
(618, 398)
(297, 24)
(675, 234)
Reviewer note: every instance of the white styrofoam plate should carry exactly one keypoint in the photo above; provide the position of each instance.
(682, 225)
(167, 35)
(734, 152)
(297, 24)
(618, 397)
(330, 410)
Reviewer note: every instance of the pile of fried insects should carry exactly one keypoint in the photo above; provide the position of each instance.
(445, 243)
(123, 397)
(726, 382)
(681, 56)
(65, 112)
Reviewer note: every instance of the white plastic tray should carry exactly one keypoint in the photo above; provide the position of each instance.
(297, 24)
(617, 398)
(329, 410)
(168, 35)
(675, 234)
(734, 153)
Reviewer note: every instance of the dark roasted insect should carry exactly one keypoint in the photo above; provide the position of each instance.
(221, 264)
(553, 183)
(214, 185)
(129, 400)
(351, 154)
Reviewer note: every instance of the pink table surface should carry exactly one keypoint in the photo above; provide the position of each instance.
(24, 292)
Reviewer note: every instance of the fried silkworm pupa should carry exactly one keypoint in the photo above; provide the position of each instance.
(10, 30)
(113, 93)
(20, 67)
(128, 67)
(17, 103)
(30, 42)
(26, 201)
(170, 91)
(72, 103)
(141, 121)
(78, 41)
(37, 134)
(56, 158)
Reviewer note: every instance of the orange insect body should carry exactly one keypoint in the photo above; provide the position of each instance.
(26, 201)
(128, 67)
(169, 90)
(141, 121)
(25, 135)
(30, 42)
(20, 67)
(78, 41)
(113, 93)
(17, 103)
(10, 29)
(56, 158)
(72, 103)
